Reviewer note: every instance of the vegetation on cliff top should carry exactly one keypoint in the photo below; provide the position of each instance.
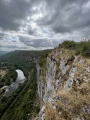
(82, 47)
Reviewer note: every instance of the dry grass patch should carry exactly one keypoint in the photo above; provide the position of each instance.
(71, 105)
(3, 73)
(50, 113)
(87, 60)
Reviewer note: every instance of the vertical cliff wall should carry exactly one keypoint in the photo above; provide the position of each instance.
(64, 86)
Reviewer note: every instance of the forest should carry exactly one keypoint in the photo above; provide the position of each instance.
(23, 103)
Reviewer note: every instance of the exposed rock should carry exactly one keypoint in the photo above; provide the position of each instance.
(64, 85)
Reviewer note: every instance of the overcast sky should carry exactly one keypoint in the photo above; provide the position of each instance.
(42, 24)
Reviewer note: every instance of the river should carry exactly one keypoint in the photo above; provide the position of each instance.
(14, 85)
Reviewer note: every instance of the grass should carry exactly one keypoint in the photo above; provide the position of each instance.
(50, 113)
(81, 48)
(71, 105)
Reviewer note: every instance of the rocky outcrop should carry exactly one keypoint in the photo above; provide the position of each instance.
(63, 86)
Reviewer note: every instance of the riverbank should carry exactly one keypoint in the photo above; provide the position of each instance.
(14, 85)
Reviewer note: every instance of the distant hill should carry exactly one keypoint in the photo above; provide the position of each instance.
(2, 53)
(23, 58)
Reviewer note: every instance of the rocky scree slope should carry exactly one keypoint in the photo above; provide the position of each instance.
(64, 86)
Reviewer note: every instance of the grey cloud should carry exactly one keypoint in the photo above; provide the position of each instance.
(62, 15)
(38, 42)
(11, 13)
(65, 18)
(68, 15)
(31, 31)
(2, 35)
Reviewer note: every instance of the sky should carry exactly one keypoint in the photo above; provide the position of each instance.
(42, 24)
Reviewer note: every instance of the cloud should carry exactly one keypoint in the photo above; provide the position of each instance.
(38, 43)
(65, 16)
(42, 24)
(13, 12)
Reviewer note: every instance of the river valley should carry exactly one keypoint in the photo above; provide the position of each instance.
(14, 85)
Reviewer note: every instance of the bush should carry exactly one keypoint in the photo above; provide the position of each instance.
(82, 47)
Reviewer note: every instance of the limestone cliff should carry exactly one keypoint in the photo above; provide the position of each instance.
(64, 86)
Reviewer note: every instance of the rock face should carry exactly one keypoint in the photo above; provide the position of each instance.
(64, 86)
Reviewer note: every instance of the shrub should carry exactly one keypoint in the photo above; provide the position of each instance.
(82, 47)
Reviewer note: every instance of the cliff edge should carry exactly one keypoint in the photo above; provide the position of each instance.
(64, 86)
